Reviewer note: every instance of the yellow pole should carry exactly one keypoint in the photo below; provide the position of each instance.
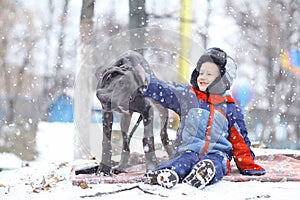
(186, 13)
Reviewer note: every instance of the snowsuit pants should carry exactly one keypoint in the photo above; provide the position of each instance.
(184, 163)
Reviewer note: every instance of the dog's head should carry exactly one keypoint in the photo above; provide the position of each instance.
(120, 85)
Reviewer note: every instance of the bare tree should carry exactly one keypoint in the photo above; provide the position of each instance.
(263, 41)
(15, 63)
(83, 86)
(137, 19)
(17, 46)
(59, 74)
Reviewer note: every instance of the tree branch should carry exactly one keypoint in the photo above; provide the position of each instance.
(98, 194)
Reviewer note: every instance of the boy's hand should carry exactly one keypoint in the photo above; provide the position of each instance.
(247, 166)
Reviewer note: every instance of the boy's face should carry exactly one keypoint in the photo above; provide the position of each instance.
(208, 73)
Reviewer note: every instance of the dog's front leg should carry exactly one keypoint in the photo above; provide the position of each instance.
(125, 154)
(105, 165)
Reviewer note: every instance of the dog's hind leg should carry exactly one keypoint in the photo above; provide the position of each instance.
(164, 118)
(148, 140)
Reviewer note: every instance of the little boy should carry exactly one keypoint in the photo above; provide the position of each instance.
(212, 130)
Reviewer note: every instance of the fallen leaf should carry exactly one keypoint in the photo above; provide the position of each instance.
(62, 164)
(36, 190)
(84, 185)
(56, 179)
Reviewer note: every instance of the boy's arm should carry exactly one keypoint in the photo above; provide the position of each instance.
(167, 94)
(242, 154)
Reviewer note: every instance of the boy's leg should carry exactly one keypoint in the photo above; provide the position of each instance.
(171, 172)
(207, 171)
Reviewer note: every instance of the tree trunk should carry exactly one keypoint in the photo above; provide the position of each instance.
(83, 85)
(137, 20)
(59, 85)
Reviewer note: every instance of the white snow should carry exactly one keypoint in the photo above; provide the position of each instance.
(55, 143)
(9, 161)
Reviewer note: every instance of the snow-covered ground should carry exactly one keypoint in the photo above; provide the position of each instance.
(49, 178)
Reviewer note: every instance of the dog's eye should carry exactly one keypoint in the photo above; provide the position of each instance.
(124, 67)
(108, 77)
(111, 76)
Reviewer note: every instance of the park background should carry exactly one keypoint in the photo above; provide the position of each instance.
(50, 120)
(46, 47)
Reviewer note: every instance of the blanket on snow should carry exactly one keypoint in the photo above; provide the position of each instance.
(279, 167)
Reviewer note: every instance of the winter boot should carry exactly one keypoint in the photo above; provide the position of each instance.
(165, 177)
(202, 173)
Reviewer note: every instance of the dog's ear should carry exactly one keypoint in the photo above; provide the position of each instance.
(138, 64)
(122, 61)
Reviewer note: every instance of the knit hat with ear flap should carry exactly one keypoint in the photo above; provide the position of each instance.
(226, 66)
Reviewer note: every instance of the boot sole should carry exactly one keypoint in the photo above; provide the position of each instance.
(202, 173)
(166, 178)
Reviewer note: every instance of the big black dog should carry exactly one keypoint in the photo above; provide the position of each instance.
(120, 89)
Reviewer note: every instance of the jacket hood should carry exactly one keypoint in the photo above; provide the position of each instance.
(226, 66)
